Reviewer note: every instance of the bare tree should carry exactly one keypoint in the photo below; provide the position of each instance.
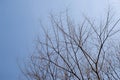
(84, 52)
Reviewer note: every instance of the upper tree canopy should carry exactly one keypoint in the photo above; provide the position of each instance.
(69, 51)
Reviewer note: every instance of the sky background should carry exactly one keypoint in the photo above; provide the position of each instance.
(20, 25)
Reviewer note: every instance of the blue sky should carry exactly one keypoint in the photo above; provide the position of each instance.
(19, 26)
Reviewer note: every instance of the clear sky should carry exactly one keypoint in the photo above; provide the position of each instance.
(19, 26)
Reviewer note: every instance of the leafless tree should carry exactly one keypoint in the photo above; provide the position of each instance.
(87, 51)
